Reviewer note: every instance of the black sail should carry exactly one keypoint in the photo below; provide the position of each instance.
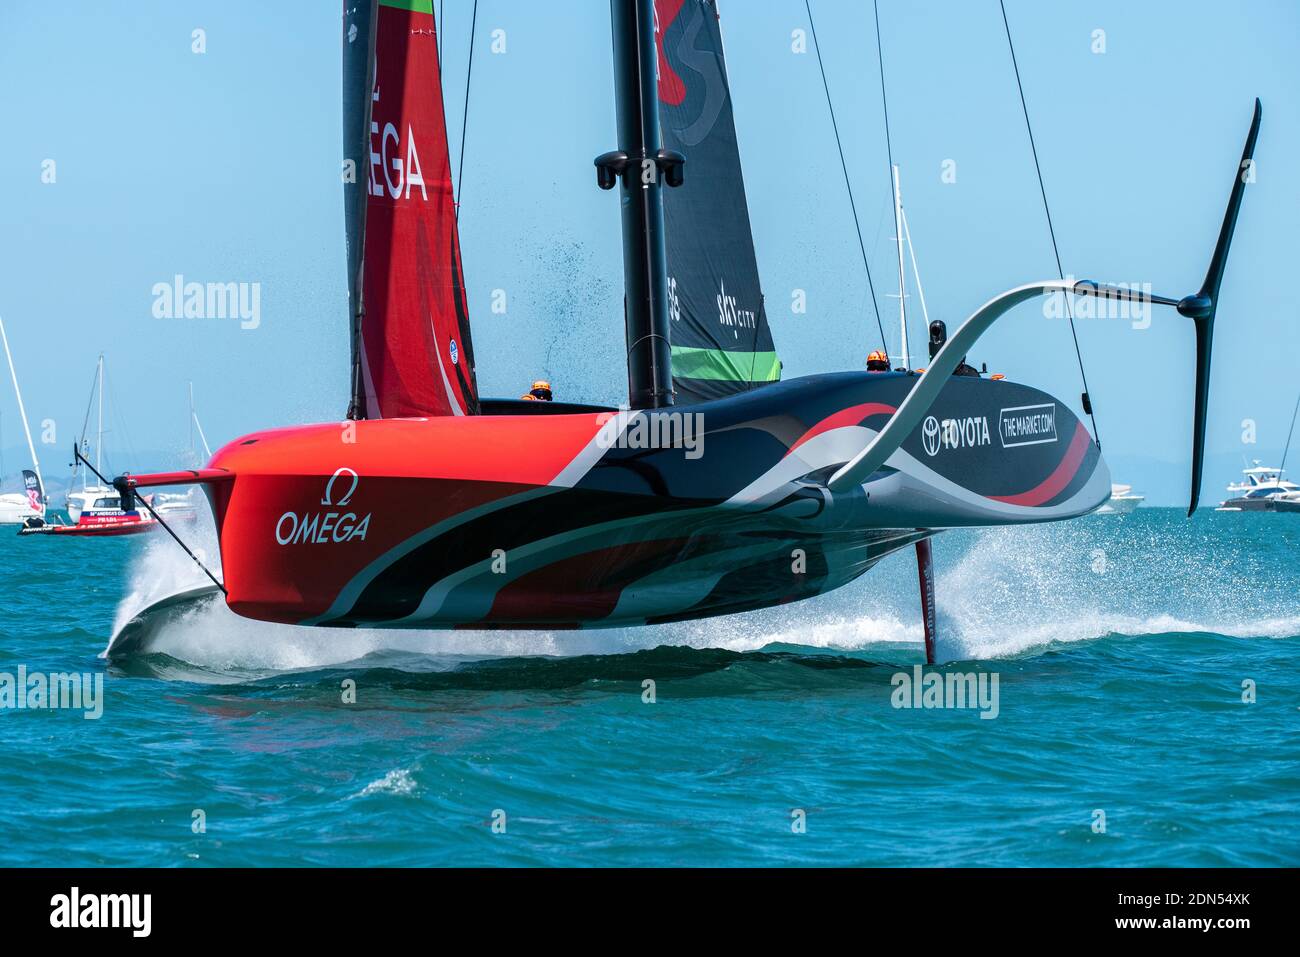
(721, 343)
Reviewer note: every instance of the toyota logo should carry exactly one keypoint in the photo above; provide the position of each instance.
(930, 435)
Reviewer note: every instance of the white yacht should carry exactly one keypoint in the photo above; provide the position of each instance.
(1263, 490)
(17, 507)
(1122, 501)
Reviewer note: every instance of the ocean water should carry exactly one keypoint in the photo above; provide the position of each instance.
(1122, 647)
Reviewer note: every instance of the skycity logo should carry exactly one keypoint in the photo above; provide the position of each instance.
(38, 691)
(730, 313)
(955, 689)
(658, 430)
(74, 910)
(211, 300)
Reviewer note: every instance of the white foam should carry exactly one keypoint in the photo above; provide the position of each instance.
(1000, 593)
(397, 782)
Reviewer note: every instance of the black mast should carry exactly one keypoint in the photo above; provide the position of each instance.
(643, 165)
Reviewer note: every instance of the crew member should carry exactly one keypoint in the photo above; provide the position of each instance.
(541, 391)
(939, 336)
(877, 362)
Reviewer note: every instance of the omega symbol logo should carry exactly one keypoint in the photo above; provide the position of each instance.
(347, 496)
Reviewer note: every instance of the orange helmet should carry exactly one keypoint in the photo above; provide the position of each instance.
(541, 390)
(878, 361)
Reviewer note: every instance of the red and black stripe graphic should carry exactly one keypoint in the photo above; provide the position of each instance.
(596, 529)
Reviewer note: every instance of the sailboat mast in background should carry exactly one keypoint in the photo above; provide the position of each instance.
(902, 279)
(22, 414)
(99, 436)
(195, 424)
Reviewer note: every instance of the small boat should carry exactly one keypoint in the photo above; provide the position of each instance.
(1264, 489)
(104, 516)
(97, 510)
(1121, 501)
(17, 507)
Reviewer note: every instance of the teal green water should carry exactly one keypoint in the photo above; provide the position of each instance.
(1120, 644)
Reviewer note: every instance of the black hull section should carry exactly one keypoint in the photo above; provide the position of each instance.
(735, 514)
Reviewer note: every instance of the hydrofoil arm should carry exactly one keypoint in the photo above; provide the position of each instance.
(1200, 307)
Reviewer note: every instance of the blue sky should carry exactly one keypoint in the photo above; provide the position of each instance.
(224, 166)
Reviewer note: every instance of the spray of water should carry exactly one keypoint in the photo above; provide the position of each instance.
(1001, 593)
(1013, 590)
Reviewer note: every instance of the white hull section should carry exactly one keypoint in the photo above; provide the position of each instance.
(15, 509)
(1121, 505)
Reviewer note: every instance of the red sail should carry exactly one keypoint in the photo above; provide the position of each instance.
(415, 354)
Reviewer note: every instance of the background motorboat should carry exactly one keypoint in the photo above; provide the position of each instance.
(1263, 490)
(1121, 501)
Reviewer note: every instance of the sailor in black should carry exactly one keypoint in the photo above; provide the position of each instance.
(938, 336)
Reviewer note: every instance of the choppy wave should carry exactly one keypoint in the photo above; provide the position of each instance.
(1130, 672)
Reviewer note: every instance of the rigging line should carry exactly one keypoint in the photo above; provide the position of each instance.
(116, 412)
(464, 120)
(1069, 311)
(1287, 451)
(159, 519)
(884, 105)
(845, 167)
(85, 424)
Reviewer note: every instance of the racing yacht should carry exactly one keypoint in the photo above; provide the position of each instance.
(445, 509)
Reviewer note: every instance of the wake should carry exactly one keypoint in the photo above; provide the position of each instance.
(1002, 593)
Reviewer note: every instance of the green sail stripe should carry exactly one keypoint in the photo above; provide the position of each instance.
(719, 365)
(415, 6)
